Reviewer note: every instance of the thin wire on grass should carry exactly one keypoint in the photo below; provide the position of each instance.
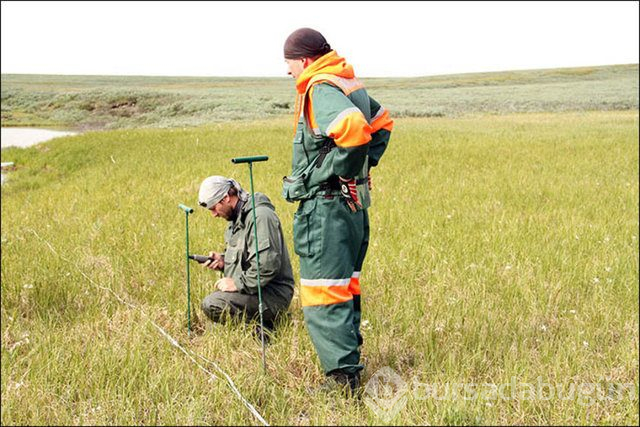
(169, 338)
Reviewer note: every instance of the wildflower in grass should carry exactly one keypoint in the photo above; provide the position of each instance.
(15, 386)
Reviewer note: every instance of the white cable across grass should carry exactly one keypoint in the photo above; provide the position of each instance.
(169, 338)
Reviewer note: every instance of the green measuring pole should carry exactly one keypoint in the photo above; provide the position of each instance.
(187, 210)
(251, 160)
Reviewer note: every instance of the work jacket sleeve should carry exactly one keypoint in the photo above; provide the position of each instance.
(270, 251)
(381, 127)
(336, 117)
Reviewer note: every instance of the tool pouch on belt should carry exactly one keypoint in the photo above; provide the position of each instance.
(298, 186)
(294, 188)
(306, 184)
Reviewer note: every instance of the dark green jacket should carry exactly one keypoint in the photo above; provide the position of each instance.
(276, 276)
(341, 131)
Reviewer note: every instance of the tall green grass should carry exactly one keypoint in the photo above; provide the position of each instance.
(502, 246)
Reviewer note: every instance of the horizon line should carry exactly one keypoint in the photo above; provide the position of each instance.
(287, 77)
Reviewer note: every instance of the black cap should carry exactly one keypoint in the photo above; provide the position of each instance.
(305, 43)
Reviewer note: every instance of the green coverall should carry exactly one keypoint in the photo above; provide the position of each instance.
(341, 132)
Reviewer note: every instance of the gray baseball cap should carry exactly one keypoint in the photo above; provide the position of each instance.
(214, 188)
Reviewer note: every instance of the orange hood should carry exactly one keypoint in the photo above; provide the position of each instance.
(331, 63)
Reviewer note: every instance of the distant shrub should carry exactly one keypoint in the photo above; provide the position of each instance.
(281, 105)
(413, 113)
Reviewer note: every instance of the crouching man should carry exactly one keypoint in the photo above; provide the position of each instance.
(237, 292)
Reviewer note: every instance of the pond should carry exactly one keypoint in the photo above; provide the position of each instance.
(26, 137)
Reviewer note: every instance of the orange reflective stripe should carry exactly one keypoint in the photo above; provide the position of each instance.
(324, 295)
(347, 86)
(312, 120)
(297, 112)
(381, 121)
(354, 286)
(350, 129)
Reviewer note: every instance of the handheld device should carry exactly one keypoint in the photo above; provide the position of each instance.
(201, 259)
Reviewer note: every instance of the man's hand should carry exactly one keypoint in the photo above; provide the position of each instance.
(350, 193)
(217, 263)
(226, 284)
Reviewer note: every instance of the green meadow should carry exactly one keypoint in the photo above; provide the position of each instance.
(501, 283)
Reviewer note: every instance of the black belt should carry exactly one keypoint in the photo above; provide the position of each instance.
(333, 183)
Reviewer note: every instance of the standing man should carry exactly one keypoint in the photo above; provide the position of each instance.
(341, 132)
(237, 291)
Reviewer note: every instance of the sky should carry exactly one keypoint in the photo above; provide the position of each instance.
(380, 39)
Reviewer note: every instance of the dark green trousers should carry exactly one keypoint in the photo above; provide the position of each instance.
(332, 243)
(242, 306)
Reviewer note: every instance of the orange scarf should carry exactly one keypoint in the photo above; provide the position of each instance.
(331, 63)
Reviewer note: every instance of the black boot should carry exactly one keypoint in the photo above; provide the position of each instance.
(350, 380)
(346, 383)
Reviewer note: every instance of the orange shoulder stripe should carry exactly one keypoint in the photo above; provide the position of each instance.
(350, 129)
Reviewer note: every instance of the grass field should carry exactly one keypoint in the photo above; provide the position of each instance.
(504, 251)
(509, 250)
